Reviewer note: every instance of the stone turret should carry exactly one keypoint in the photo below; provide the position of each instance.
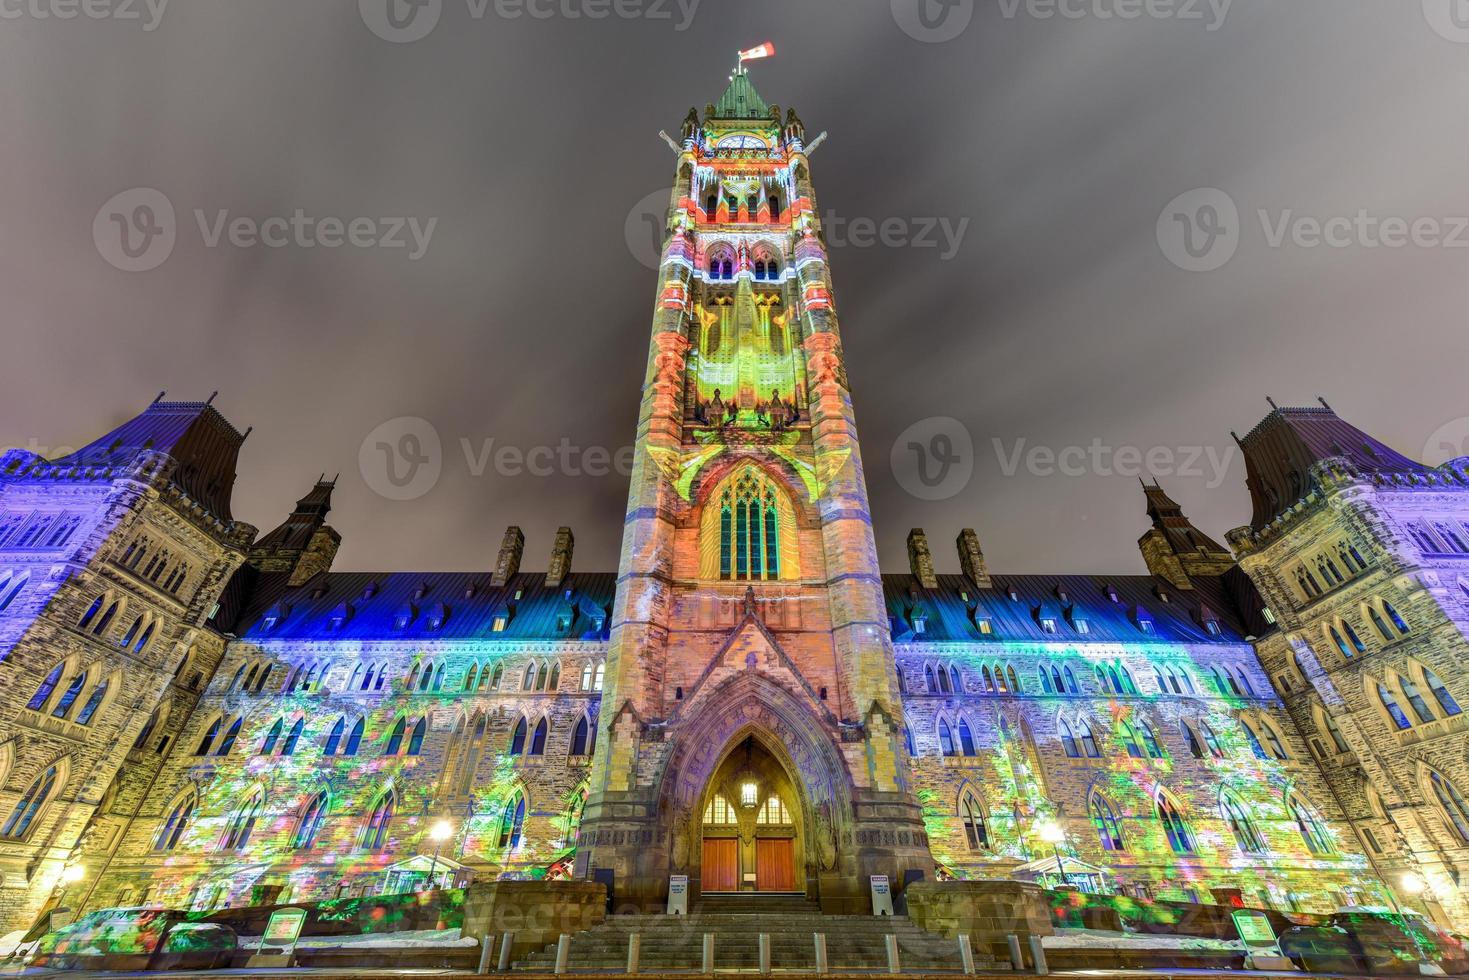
(1173, 548)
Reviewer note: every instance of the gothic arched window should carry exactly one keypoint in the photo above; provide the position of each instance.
(581, 742)
(288, 747)
(415, 740)
(229, 737)
(966, 738)
(1104, 818)
(1244, 830)
(43, 693)
(749, 529)
(1450, 801)
(538, 738)
(335, 738)
(242, 823)
(375, 831)
(29, 805)
(512, 821)
(517, 737)
(309, 826)
(1180, 837)
(1311, 827)
(173, 828)
(395, 739)
(976, 832)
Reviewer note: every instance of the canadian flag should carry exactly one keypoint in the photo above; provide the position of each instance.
(763, 51)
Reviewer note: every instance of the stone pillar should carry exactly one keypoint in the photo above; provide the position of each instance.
(971, 559)
(560, 565)
(508, 561)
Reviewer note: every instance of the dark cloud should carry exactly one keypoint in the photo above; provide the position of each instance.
(1058, 321)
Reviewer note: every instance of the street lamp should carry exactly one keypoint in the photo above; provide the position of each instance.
(1053, 833)
(441, 831)
(1412, 884)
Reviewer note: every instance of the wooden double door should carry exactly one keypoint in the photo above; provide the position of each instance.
(775, 864)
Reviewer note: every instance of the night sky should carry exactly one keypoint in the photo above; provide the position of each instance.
(1054, 144)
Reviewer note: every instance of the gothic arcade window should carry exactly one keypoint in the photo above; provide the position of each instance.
(1450, 801)
(1244, 830)
(1175, 828)
(512, 821)
(309, 826)
(773, 811)
(1104, 818)
(719, 812)
(375, 831)
(173, 828)
(976, 831)
(24, 815)
(242, 822)
(1310, 825)
(749, 529)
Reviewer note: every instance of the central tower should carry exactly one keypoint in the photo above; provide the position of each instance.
(752, 730)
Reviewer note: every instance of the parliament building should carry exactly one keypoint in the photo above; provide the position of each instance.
(194, 714)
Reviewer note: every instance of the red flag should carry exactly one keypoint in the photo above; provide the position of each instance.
(763, 51)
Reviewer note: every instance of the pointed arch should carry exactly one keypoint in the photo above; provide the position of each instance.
(1451, 803)
(1241, 825)
(972, 818)
(1309, 824)
(311, 821)
(176, 824)
(538, 738)
(517, 736)
(242, 822)
(748, 529)
(1105, 821)
(374, 836)
(415, 740)
(1175, 828)
(512, 821)
(33, 802)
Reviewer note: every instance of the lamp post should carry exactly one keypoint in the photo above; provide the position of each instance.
(1412, 884)
(1053, 833)
(441, 831)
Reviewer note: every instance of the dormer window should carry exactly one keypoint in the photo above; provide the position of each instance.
(404, 617)
(499, 623)
(339, 617)
(370, 590)
(1267, 615)
(1061, 593)
(920, 622)
(985, 626)
(420, 592)
(437, 617)
(1112, 594)
(563, 621)
(1048, 624)
(1082, 626)
(519, 593)
(963, 595)
(1212, 626)
(1014, 596)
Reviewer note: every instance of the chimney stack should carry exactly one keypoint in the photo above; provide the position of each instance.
(560, 565)
(971, 559)
(920, 559)
(508, 562)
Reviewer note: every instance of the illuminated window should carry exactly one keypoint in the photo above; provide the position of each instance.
(309, 826)
(24, 815)
(1390, 705)
(773, 811)
(517, 737)
(1246, 835)
(1450, 801)
(1104, 819)
(719, 812)
(1130, 741)
(69, 696)
(1441, 694)
(375, 831)
(173, 828)
(1309, 824)
(43, 693)
(1415, 700)
(748, 794)
(512, 822)
(271, 737)
(242, 823)
(538, 738)
(582, 738)
(335, 738)
(946, 739)
(229, 737)
(597, 678)
(1180, 837)
(749, 529)
(976, 831)
(288, 747)
(395, 738)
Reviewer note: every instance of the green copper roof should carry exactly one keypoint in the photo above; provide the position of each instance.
(741, 101)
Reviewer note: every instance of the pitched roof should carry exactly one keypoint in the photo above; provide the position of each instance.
(1167, 516)
(953, 618)
(310, 513)
(370, 606)
(740, 100)
(1280, 451)
(205, 445)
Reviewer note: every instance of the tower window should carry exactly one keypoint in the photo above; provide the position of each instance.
(749, 530)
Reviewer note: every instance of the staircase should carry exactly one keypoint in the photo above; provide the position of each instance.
(673, 943)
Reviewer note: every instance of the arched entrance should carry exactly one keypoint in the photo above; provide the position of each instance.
(758, 734)
(751, 825)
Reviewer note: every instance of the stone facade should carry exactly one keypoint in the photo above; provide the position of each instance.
(748, 700)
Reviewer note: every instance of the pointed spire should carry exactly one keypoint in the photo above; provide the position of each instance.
(740, 100)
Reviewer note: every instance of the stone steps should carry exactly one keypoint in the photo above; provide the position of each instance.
(677, 942)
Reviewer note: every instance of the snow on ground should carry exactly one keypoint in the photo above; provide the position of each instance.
(1100, 939)
(407, 939)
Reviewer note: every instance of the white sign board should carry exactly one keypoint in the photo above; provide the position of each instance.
(882, 896)
(678, 895)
